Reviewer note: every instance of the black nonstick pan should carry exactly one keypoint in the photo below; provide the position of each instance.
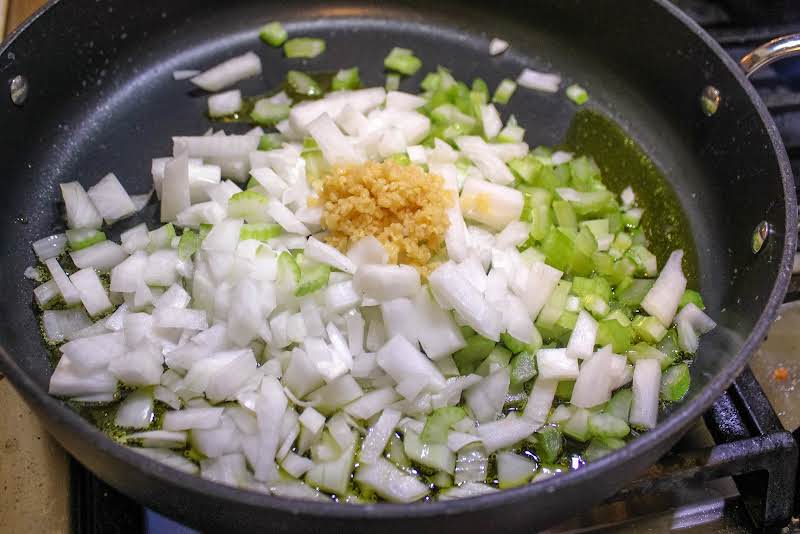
(94, 93)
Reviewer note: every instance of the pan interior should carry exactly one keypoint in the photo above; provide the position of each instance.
(109, 103)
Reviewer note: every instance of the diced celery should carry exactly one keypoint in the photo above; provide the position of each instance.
(675, 382)
(442, 480)
(523, 368)
(188, 245)
(270, 141)
(577, 94)
(288, 270)
(504, 91)
(79, 238)
(550, 178)
(511, 132)
(620, 404)
(649, 328)
(564, 389)
(252, 183)
(643, 351)
(346, 79)
(479, 87)
(273, 33)
(250, 205)
(467, 331)
(577, 427)
(312, 278)
(302, 84)
(559, 248)
(603, 425)
(268, 113)
(525, 168)
(597, 285)
(402, 60)
(645, 260)
(619, 316)
(595, 305)
(584, 172)
(632, 217)
(601, 447)
(565, 215)
(203, 231)
(548, 443)
(500, 356)
(392, 82)
(303, 47)
(476, 350)
(633, 294)
(402, 159)
(690, 295)
(260, 231)
(516, 346)
(554, 306)
(433, 455)
(613, 333)
(567, 321)
(598, 227)
(438, 424)
(161, 237)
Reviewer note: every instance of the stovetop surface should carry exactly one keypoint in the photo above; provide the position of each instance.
(691, 490)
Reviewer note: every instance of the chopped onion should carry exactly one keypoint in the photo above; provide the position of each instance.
(229, 72)
(540, 81)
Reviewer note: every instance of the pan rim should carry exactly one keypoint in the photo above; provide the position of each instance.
(671, 427)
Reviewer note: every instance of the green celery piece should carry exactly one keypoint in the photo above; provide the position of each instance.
(499, 356)
(516, 346)
(260, 231)
(644, 259)
(431, 81)
(312, 278)
(480, 88)
(577, 94)
(559, 248)
(203, 231)
(346, 79)
(302, 84)
(584, 173)
(526, 168)
(555, 304)
(564, 389)
(523, 368)
(504, 91)
(542, 151)
(402, 60)
(620, 404)
(643, 351)
(467, 331)
(611, 332)
(597, 285)
(649, 328)
(84, 237)
(601, 447)
(567, 321)
(550, 179)
(619, 316)
(577, 427)
(595, 305)
(438, 424)
(401, 158)
(548, 443)
(303, 47)
(634, 293)
(273, 33)
(267, 113)
(252, 183)
(632, 218)
(541, 222)
(516, 397)
(615, 223)
(315, 163)
(675, 382)
(690, 295)
(598, 227)
(449, 114)
(604, 425)
(288, 268)
(622, 242)
(188, 245)
(247, 205)
(392, 82)
(270, 141)
(161, 237)
(477, 349)
(565, 215)
(442, 480)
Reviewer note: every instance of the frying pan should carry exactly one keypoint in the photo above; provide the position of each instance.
(100, 97)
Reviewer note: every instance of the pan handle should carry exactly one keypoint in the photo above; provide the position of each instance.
(774, 50)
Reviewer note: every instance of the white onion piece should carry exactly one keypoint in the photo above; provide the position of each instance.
(62, 324)
(662, 300)
(490, 119)
(324, 253)
(540, 81)
(403, 101)
(595, 380)
(136, 411)
(582, 340)
(50, 246)
(390, 482)
(540, 400)
(226, 103)
(103, 256)
(692, 323)
(175, 194)
(386, 282)
(482, 155)
(554, 364)
(490, 204)
(81, 213)
(646, 387)
(497, 46)
(229, 72)
(436, 330)
(402, 361)
(68, 291)
(92, 293)
(541, 281)
(111, 199)
(184, 74)
(336, 149)
(486, 398)
(506, 432)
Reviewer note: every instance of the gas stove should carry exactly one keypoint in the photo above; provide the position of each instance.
(735, 471)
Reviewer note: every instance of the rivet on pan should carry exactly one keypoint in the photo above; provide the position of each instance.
(760, 235)
(18, 89)
(709, 100)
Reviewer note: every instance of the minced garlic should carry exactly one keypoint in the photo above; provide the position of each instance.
(402, 206)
